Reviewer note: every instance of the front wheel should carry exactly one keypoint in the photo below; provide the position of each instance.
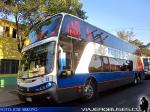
(89, 90)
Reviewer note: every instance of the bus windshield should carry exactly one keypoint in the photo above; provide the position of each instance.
(37, 61)
(45, 29)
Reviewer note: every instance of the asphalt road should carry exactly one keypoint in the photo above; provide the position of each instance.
(127, 96)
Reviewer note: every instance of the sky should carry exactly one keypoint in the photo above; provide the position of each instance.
(118, 15)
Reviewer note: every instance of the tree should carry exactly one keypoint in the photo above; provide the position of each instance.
(28, 12)
(136, 42)
(128, 36)
(22, 11)
(145, 51)
(70, 6)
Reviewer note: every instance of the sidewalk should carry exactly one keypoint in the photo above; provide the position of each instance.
(8, 97)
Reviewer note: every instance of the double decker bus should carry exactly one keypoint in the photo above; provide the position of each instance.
(68, 58)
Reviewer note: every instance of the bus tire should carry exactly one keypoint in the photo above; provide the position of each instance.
(89, 90)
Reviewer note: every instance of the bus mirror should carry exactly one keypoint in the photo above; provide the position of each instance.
(62, 60)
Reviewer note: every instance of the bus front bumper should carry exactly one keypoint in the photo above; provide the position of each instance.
(48, 94)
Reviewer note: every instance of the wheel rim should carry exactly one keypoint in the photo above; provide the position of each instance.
(88, 91)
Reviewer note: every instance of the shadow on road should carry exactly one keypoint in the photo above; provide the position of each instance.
(100, 96)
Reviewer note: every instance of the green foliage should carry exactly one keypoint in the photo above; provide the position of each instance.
(22, 10)
(128, 36)
(145, 51)
(136, 42)
(31, 11)
(28, 12)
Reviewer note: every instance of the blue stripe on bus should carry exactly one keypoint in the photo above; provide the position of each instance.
(80, 79)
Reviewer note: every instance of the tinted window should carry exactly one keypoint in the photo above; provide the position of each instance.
(75, 47)
(113, 63)
(71, 26)
(77, 28)
(120, 64)
(96, 64)
(45, 29)
(105, 64)
(129, 65)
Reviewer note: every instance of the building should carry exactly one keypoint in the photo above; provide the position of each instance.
(9, 55)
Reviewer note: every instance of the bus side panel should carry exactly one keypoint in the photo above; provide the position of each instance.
(113, 79)
(70, 88)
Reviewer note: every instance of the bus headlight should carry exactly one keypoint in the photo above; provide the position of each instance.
(43, 87)
(48, 85)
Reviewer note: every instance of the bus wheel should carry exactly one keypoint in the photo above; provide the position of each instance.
(89, 90)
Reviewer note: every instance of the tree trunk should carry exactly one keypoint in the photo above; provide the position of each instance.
(19, 36)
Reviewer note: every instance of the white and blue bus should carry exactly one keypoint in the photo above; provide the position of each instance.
(68, 58)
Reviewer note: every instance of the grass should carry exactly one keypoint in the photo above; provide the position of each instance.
(8, 75)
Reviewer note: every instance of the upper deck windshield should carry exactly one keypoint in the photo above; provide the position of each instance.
(37, 61)
(45, 29)
(79, 29)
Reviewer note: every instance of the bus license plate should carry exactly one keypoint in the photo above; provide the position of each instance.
(29, 99)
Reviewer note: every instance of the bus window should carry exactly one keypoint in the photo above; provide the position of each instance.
(65, 64)
(45, 29)
(105, 64)
(126, 65)
(112, 64)
(67, 48)
(78, 47)
(118, 64)
(129, 65)
(96, 64)
(68, 61)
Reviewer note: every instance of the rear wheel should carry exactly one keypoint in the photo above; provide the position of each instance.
(89, 90)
